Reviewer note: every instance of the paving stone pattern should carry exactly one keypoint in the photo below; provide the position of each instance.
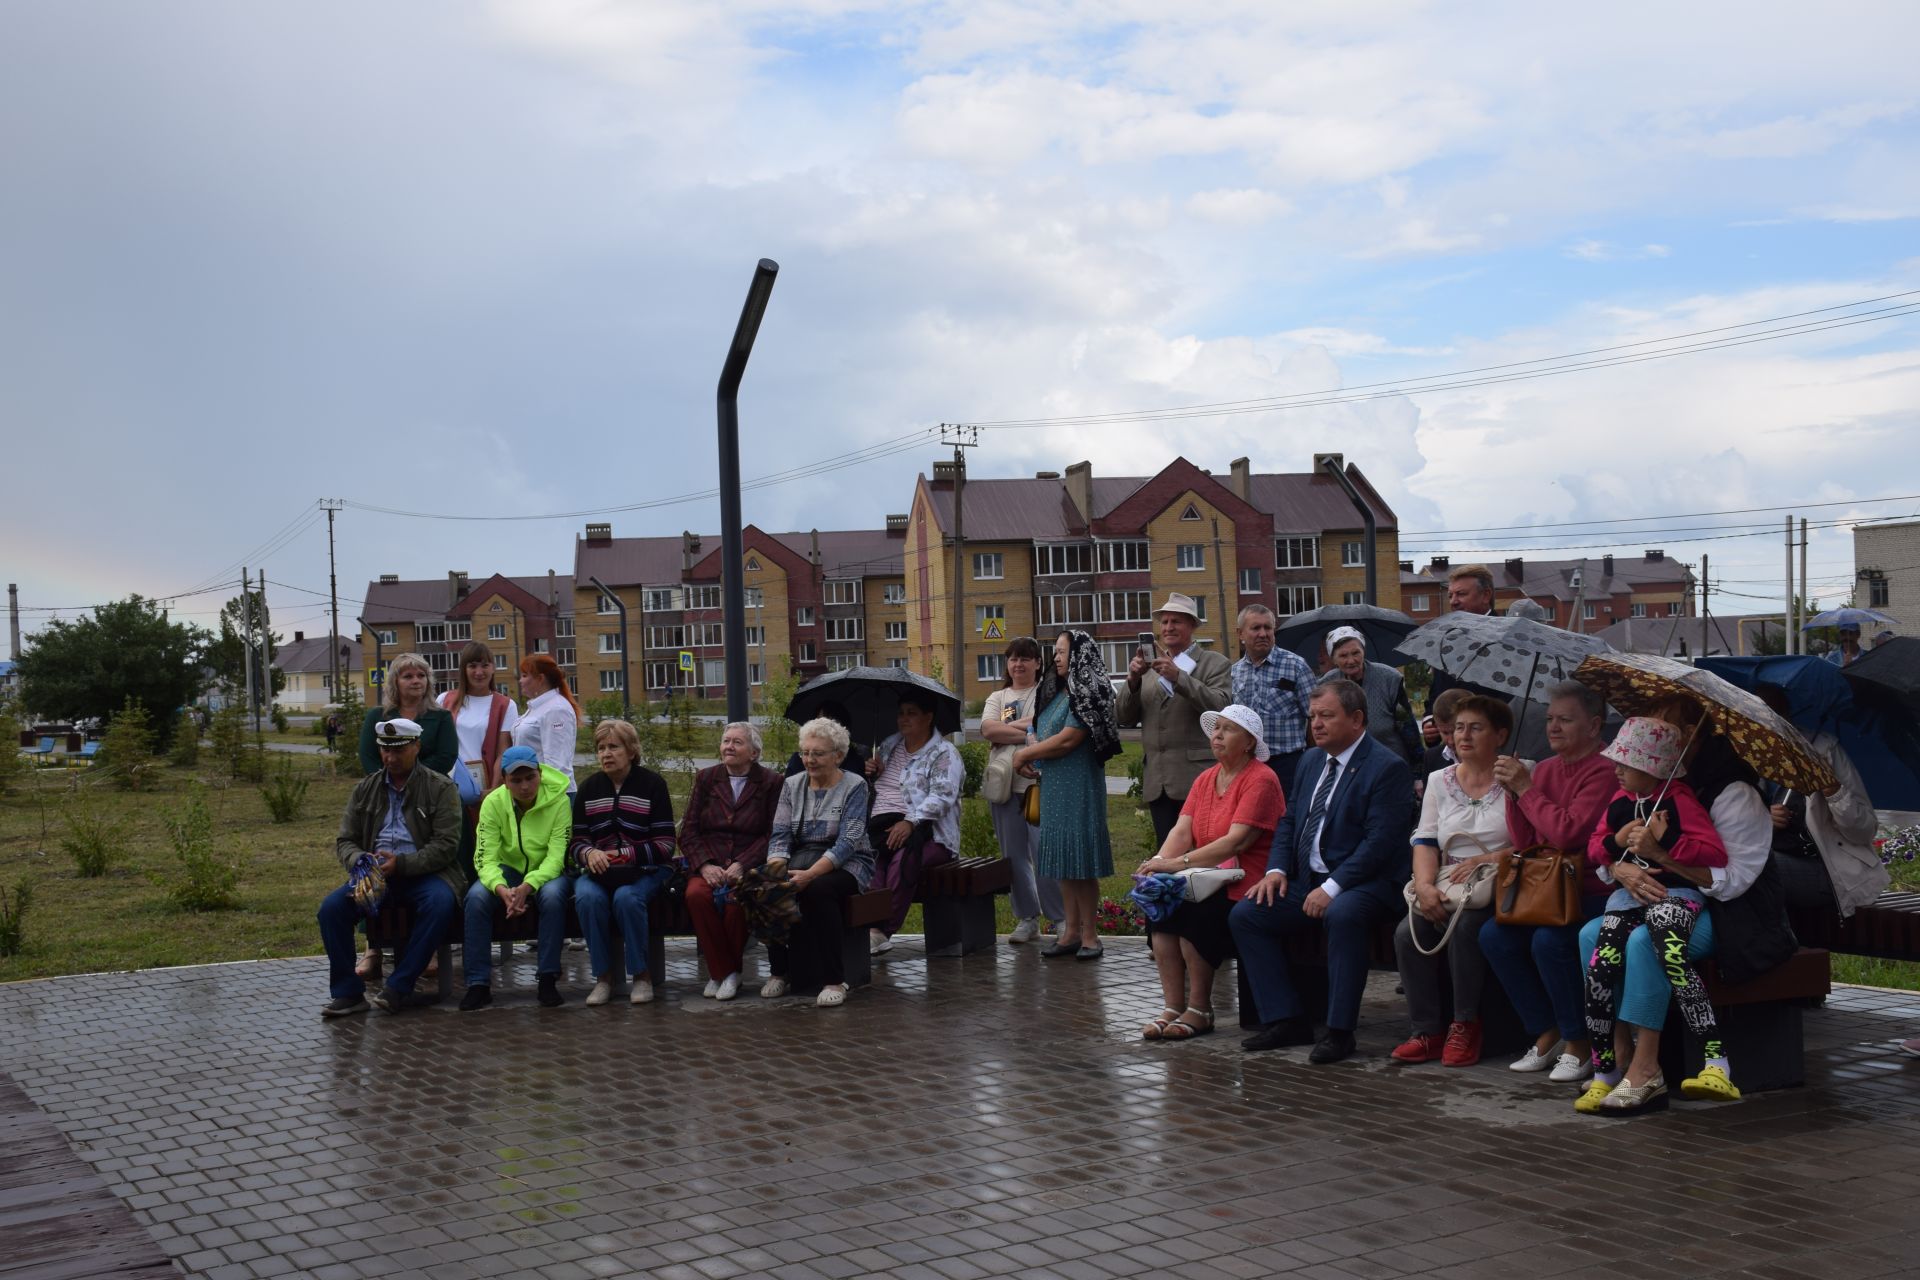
(993, 1115)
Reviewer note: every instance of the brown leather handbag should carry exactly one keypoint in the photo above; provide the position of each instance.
(1538, 885)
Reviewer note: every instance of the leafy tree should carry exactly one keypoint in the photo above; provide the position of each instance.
(127, 748)
(227, 652)
(128, 651)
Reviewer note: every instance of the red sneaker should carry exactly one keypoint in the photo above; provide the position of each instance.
(1418, 1049)
(1463, 1045)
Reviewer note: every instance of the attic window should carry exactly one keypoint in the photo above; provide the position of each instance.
(1191, 513)
(753, 564)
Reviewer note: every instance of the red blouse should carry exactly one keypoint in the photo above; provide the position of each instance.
(1253, 798)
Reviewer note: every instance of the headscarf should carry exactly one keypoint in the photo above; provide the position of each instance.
(1340, 635)
(1089, 692)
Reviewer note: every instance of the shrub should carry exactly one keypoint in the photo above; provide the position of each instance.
(977, 838)
(92, 838)
(974, 756)
(13, 916)
(185, 751)
(779, 735)
(285, 791)
(11, 763)
(127, 748)
(228, 734)
(346, 748)
(203, 878)
(279, 718)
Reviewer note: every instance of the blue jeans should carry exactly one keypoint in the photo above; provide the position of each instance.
(598, 909)
(1646, 991)
(550, 901)
(432, 902)
(1542, 971)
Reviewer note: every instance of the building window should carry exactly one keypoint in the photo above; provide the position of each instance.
(1636, 611)
(1879, 596)
(496, 631)
(1673, 609)
(1130, 556)
(713, 671)
(425, 633)
(442, 661)
(844, 591)
(989, 565)
(1116, 655)
(898, 664)
(1062, 557)
(606, 604)
(565, 657)
(660, 675)
(803, 652)
(666, 637)
(893, 593)
(1190, 556)
(1589, 612)
(1249, 582)
(1419, 604)
(981, 612)
(1353, 555)
(844, 629)
(989, 666)
(663, 599)
(897, 632)
(709, 635)
(541, 645)
(1353, 597)
(803, 617)
(459, 632)
(756, 674)
(1296, 553)
(756, 635)
(845, 661)
(609, 680)
(1200, 608)
(1288, 601)
(384, 637)
(1063, 611)
(703, 597)
(610, 642)
(1126, 606)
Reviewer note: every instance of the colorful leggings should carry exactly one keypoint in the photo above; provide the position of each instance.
(1669, 927)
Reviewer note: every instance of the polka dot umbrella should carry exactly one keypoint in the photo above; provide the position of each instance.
(1506, 656)
(1637, 683)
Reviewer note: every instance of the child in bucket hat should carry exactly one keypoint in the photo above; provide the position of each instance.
(1654, 810)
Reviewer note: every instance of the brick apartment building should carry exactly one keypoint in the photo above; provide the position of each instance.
(1886, 567)
(1099, 553)
(434, 617)
(1607, 589)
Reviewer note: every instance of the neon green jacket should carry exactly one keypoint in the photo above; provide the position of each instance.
(533, 843)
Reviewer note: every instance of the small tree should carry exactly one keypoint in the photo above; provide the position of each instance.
(93, 840)
(127, 748)
(346, 747)
(185, 752)
(285, 791)
(13, 915)
(780, 735)
(203, 878)
(11, 763)
(228, 734)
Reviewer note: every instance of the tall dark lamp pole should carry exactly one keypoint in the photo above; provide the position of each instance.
(733, 586)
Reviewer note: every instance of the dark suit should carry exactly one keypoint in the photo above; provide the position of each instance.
(1365, 845)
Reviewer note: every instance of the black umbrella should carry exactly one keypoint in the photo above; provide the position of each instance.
(871, 696)
(1306, 633)
(1888, 674)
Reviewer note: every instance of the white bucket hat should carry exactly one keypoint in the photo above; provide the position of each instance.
(1244, 717)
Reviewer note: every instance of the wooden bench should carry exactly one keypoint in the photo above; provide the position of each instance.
(1759, 1023)
(1888, 928)
(956, 904)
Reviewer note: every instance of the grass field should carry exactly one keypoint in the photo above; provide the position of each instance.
(122, 920)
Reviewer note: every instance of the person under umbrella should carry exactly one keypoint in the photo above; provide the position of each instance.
(1389, 715)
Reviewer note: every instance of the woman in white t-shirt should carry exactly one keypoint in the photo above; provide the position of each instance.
(482, 717)
(1007, 723)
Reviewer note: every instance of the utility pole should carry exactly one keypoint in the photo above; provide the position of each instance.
(1706, 606)
(1220, 574)
(246, 633)
(961, 438)
(331, 505)
(13, 617)
(1787, 612)
(265, 666)
(1800, 613)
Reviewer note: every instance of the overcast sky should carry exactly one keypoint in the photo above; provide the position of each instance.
(485, 259)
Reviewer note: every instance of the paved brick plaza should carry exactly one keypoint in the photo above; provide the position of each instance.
(959, 1118)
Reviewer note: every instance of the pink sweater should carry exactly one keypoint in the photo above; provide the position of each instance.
(1562, 808)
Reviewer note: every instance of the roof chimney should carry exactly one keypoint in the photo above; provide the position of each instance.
(1240, 479)
(944, 472)
(298, 636)
(1406, 566)
(1080, 490)
(1046, 475)
(553, 595)
(457, 587)
(389, 577)
(1517, 569)
(897, 526)
(1606, 566)
(1439, 564)
(600, 533)
(1320, 461)
(813, 537)
(1655, 557)
(689, 548)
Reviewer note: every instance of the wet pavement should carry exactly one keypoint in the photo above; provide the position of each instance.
(993, 1115)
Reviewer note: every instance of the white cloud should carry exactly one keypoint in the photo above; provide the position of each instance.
(1601, 251)
(1242, 207)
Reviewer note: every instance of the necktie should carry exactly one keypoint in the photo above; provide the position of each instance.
(1317, 811)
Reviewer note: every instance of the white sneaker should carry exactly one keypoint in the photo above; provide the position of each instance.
(880, 945)
(729, 988)
(601, 990)
(831, 997)
(773, 988)
(642, 991)
(1026, 931)
(1570, 1068)
(1534, 1060)
(711, 990)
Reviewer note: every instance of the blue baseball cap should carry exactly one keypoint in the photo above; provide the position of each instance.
(519, 758)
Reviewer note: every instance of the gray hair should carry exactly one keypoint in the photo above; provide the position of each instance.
(1251, 611)
(406, 662)
(1352, 697)
(1591, 703)
(831, 732)
(753, 735)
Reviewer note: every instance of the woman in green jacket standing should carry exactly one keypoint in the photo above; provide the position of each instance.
(409, 689)
(521, 857)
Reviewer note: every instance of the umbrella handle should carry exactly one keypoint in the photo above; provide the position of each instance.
(1526, 700)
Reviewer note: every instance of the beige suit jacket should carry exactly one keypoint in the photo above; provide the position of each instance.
(1176, 750)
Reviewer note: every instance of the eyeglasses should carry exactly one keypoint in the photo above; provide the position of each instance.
(816, 755)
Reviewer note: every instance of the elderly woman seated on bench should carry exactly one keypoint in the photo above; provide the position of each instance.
(521, 855)
(819, 843)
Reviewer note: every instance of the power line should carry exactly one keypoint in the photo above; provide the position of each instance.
(1675, 515)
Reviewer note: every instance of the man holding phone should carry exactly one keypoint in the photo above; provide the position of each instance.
(1168, 685)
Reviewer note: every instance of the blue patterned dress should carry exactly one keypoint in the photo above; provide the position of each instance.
(1073, 803)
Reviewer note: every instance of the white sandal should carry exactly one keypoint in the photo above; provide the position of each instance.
(831, 997)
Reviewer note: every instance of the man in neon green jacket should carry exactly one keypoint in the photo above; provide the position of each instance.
(521, 855)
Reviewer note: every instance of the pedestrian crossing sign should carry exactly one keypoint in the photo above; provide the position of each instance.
(993, 629)
(686, 660)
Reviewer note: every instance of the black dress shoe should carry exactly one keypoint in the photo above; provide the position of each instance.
(1284, 1034)
(1056, 950)
(1332, 1047)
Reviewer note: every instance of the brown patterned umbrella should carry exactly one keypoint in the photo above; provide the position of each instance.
(1635, 683)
